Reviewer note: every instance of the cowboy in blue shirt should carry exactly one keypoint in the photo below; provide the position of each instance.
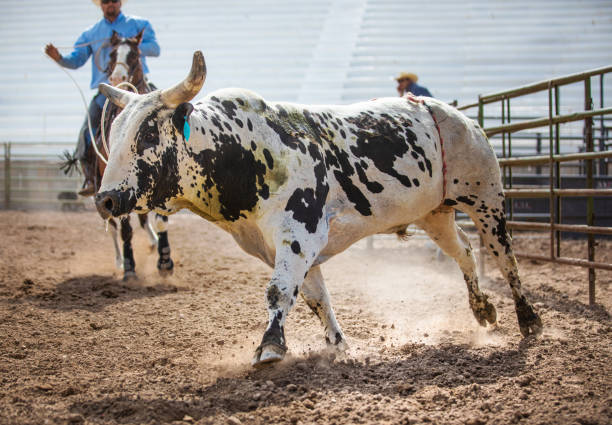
(407, 83)
(94, 41)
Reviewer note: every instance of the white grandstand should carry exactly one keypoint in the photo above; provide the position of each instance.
(320, 51)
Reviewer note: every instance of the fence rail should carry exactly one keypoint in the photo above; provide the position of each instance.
(32, 177)
(554, 159)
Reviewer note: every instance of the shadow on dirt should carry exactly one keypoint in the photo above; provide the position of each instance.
(426, 370)
(92, 293)
(553, 299)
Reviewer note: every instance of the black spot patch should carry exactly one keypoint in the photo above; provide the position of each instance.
(249, 124)
(147, 135)
(385, 140)
(276, 333)
(339, 158)
(273, 295)
(501, 232)
(268, 158)
(288, 139)
(450, 202)
(229, 108)
(465, 200)
(373, 187)
(235, 173)
(295, 247)
(159, 182)
(307, 204)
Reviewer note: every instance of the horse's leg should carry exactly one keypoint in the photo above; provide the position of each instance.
(145, 223)
(165, 265)
(129, 264)
(114, 236)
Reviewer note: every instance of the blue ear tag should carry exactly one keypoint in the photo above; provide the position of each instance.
(186, 129)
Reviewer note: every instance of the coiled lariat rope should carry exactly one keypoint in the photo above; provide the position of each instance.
(91, 135)
(125, 83)
(102, 126)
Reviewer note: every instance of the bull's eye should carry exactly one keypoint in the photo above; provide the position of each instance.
(149, 140)
(148, 135)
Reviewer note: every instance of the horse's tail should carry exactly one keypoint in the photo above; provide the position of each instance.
(69, 163)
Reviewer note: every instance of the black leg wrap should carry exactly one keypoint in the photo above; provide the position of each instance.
(165, 265)
(129, 265)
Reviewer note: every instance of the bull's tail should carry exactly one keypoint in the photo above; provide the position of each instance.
(69, 163)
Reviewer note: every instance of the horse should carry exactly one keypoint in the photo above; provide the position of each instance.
(124, 67)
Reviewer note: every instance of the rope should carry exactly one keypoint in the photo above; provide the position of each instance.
(106, 148)
(91, 135)
(421, 101)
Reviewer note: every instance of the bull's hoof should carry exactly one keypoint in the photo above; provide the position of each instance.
(339, 346)
(531, 327)
(129, 276)
(530, 322)
(165, 268)
(484, 311)
(267, 354)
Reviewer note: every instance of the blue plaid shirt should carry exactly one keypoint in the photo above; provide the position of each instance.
(100, 33)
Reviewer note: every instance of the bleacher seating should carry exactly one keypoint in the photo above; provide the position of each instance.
(320, 51)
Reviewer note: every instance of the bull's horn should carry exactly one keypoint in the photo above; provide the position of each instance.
(117, 96)
(189, 87)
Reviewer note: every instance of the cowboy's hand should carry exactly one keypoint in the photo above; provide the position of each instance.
(52, 51)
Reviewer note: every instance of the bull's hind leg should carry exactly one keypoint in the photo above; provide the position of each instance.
(441, 227)
(488, 213)
(165, 265)
(316, 296)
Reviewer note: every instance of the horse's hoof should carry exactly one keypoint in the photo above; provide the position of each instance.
(267, 355)
(165, 268)
(129, 276)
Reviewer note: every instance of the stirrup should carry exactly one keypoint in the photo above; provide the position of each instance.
(88, 190)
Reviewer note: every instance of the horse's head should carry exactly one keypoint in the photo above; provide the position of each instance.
(125, 64)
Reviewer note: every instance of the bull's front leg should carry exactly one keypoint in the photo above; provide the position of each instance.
(296, 250)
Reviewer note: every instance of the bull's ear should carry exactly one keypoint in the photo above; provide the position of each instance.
(180, 119)
(119, 97)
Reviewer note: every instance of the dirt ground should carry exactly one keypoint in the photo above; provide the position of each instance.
(79, 345)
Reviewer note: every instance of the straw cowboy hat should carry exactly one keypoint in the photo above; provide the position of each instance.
(97, 2)
(407, 75)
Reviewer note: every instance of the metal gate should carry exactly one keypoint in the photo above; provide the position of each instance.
(553, 161)
(31, 177)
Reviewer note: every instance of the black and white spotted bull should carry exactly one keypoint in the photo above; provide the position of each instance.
(295, 185)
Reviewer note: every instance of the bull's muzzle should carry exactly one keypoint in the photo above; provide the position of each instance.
(114, 203)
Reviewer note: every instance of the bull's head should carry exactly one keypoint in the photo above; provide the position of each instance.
(143, 167)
